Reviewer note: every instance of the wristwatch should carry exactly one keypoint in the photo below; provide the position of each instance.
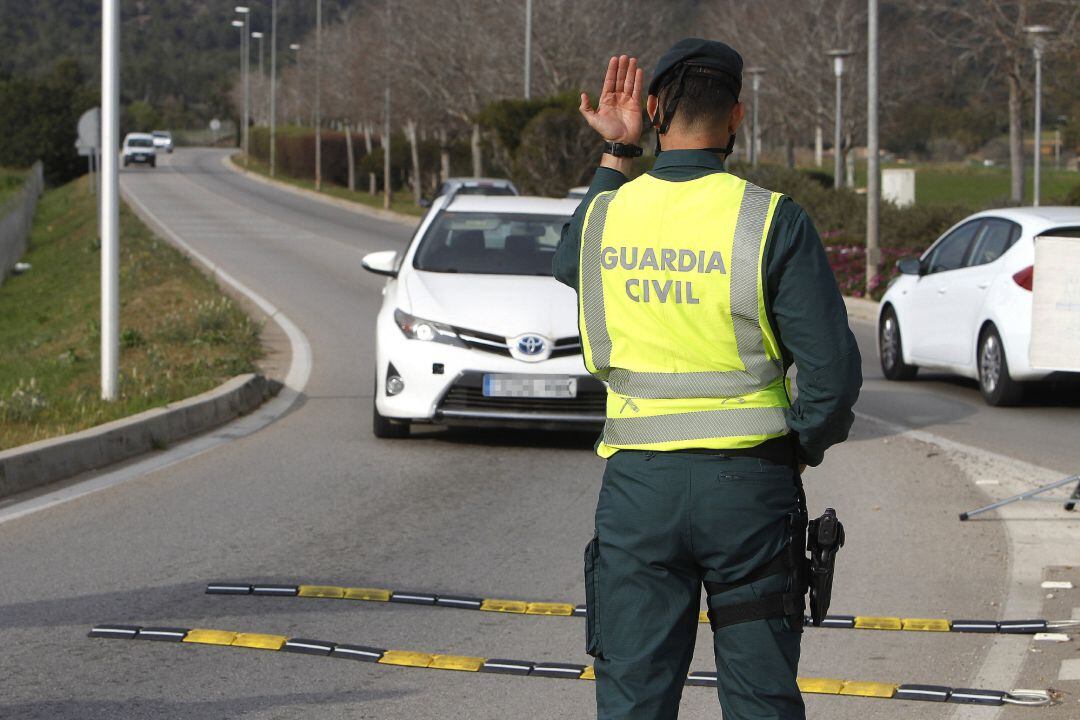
(625, 150)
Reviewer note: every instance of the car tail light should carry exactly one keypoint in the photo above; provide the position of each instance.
(1025, 278)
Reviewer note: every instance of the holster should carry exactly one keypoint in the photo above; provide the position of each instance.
(813, 575)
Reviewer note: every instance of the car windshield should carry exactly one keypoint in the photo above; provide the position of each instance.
(140, 142)
(159, 134)
(490, 244)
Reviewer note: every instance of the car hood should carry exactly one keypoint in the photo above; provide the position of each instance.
(504, 305)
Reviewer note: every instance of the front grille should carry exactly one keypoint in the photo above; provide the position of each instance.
(498, 345)
(467, 393)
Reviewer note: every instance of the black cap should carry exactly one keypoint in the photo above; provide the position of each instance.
(715, 58)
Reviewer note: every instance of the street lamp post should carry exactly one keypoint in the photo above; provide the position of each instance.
(295, 47)
(273, 88)
(873, 163)
(318, 94)
(528, 49)
(1038, 35)
(245, 62)
(755, 131)
(838, 138)
(259, 36)
(110, 202)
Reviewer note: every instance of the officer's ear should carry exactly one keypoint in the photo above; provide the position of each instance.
(652, 103)
(738, 112)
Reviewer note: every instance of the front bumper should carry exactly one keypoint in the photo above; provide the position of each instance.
(444, 384)
(139, 157)
(464, 403)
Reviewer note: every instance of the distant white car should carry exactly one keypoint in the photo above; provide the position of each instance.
(163, 140)
(473, 329)
(964, 307)
(139, 148)
(577, 193)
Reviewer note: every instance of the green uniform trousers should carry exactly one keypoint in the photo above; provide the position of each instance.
(666, 522)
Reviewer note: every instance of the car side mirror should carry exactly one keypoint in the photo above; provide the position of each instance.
(424, 202)
(383, 262)
(910, 266)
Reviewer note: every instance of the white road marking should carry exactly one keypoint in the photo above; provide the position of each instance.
(295, 381)
(1070, 669)
(1032, 546)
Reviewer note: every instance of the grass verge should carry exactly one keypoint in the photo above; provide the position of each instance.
(179, 335)
(399, 204)
(978, 187)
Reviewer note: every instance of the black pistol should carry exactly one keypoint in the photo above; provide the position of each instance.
(825, 536)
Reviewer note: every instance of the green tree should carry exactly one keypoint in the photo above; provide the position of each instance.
(38, 119)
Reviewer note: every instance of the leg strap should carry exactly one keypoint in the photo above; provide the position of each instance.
(777, 605)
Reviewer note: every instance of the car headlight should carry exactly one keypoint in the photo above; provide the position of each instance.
(416, 328)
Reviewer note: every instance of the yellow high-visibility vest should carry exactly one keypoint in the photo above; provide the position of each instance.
(671, 308)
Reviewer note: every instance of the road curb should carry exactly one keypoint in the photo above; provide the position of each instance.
(357, 208)
(861, 309)
(46, 461)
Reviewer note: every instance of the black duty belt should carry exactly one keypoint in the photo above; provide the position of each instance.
(778, 451)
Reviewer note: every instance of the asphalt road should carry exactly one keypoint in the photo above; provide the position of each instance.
(314, 497)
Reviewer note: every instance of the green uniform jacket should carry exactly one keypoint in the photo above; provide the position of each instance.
(803, 302)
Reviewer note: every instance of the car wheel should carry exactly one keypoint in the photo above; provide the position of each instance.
(891, 349)
(153, 163)
(125, 162)
(384, 427)
(996, 384)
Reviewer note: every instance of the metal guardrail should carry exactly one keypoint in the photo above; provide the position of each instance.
(16, 219)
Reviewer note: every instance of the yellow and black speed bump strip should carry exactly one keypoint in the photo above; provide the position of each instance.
(568, 671)
(524, 607)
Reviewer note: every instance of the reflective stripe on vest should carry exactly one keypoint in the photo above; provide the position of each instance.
(675, 424)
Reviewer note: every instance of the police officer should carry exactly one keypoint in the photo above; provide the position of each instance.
(697, 291)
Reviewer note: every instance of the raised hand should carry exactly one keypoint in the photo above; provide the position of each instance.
(617, 116)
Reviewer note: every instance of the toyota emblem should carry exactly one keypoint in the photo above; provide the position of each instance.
(531, 345)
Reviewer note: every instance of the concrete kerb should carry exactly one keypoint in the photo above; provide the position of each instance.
(355, 207)
(36, 464)
(861, 309)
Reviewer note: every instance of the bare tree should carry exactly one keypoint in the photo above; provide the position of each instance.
(991, 33)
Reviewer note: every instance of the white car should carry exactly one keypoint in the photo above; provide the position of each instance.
(965, 306)
(139, 148)
(473, 329)
(163, 140)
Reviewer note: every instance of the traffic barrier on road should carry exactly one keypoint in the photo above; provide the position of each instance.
(559, 609)
(568, 671)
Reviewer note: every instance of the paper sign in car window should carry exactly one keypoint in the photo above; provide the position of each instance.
(1055, 311)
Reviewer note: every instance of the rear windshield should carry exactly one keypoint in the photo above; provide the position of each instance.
(140, 142)
(490, 244)
(160, 134)
(1069, 232)
(485, 190)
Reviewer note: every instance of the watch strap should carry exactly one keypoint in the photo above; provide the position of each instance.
(625, 150)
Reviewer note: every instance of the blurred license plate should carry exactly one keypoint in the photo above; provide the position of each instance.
(530, 386)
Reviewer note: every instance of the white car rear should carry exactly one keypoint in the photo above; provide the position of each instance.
(473, 329)
(965, 306)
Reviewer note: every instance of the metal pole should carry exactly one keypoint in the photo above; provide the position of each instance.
(528, 49)
(318, 94)
(838, 139)
(1038, 126)
(247, 87)
(273, 88)
(873, 164)
(388, 190)
(110, 202)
